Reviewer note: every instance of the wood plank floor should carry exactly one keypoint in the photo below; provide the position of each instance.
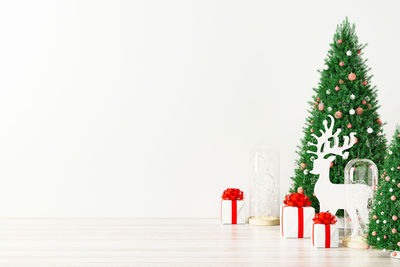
(164, 242)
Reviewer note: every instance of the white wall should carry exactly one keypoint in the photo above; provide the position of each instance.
(151, 108)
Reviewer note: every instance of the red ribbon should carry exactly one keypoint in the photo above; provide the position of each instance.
(234, 211)
(324, 218)
(282, 220)
(327, 236)
(312, 234)
(232, 194)
(297, 200)
(327, 219)
(300, 222)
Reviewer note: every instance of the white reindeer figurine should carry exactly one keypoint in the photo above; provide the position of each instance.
(331, 197)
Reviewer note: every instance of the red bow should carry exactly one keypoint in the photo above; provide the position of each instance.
(324, 218)
(232, 194)
(297, 200)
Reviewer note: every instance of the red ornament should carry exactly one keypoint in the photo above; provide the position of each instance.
(387, 178)
(398, 244)
(398, 185)
(340, 81)
(356, 140)
(312, 130)
(384, 237)
(394, 253)
(341, 63)
(364, 102)
(337, 88)
(379, 121)
(394, 218)
(349, 126)
(365, 83)
(340, 41)
(321, 106)
(398, 167)
(331, 165)
(393, 198)
(352, 77)
(300, 190)
(318, 99)
(394, 230)
(373, 233)
(359, 110)
(302, 166)
(338, 114)
(375, 217)
(359, 52)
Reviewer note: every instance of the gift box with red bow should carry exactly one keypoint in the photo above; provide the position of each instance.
(395, 255)
(296, 216)
(325, 232)
(233, 207)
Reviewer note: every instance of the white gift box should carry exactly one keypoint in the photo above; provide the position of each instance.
(231, 207)
(395, 255)
(296, 221)
(321, 231)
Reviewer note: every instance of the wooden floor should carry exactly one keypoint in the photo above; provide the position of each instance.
(164, 242)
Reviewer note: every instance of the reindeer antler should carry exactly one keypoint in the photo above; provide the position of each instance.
(323, 144)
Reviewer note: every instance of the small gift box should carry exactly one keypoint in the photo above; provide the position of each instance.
(233, 207)
(325, 232)
(296, 216)
(395, 255)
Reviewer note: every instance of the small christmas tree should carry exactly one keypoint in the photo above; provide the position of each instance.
(385, 216)
(345, 92)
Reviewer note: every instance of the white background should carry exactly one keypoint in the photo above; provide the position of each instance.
(152, 108)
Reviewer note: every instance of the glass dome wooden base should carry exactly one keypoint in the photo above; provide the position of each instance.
(354, 242)
(264, 220)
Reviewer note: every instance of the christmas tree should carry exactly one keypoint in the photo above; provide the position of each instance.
(345, 92)
(384, 224)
